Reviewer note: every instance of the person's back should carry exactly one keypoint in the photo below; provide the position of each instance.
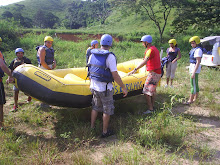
(102, 71)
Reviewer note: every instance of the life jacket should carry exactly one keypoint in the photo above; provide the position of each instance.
(49, 57)
(164, 61)
(2, 74)
(18, 61)
(192, 59)
(154, 60)
(172, 55)
(97, 69)
(88, 53)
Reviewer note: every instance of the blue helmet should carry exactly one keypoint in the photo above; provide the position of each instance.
(147, 38)
(106, 39)
(94, 42)
(19, 50)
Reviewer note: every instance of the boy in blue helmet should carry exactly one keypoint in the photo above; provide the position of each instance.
(3, 69)
(94, 45)
(20, 59)
(102, 72)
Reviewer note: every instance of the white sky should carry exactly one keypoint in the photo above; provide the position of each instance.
(7, 2)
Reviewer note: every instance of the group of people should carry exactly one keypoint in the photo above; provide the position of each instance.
(45, 57)
(102, 71)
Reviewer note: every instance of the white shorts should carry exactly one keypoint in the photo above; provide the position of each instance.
(171, 69)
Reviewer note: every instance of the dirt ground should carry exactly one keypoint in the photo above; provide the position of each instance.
(211, 135)
(77, 37)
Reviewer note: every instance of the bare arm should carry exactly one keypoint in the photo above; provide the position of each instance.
(42, 54)
(144, 62)
(118, 80)
(178, 57)
(5, 68)
(7, 71)
(198, 60)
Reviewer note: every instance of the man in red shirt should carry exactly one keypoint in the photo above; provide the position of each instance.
(152, 62)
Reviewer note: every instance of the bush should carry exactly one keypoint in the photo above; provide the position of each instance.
(9, 33)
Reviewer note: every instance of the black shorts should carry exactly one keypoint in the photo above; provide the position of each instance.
(2, 94)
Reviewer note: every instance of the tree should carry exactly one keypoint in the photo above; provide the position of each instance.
(7, 15)
(39, 18)
(77, 15)
(201, 15)
(100, 9)
(50, 20)
(157, 10)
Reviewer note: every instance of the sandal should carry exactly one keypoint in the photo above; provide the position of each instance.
(188, 103)
(107, 134)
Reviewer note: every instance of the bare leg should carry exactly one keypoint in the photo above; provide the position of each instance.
(93, 118)
(191, 98)
(195, 96)
(1, 116)
(106, 119)
(152, 100)
(149, 102)
(171, 81)
(167, 81)
(16, 98)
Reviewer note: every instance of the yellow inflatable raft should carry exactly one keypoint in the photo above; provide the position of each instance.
(68, 87)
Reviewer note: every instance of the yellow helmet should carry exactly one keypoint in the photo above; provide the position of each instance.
(172, 41)
(0, 39)
(48, 38)
(195, 38)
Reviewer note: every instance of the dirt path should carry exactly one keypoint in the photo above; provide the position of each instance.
(81, 37)
(210, 138)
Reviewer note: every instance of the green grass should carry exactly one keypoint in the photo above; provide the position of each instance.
(63, 135)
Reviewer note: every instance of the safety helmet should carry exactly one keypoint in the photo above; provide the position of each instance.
(94, 42)
(106, 39)
(146, 38)
(0, 39)
(195, 38)
(19, 50)
(172, 41)
(48, 38)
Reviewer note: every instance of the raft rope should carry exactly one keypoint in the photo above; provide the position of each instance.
(63, 84)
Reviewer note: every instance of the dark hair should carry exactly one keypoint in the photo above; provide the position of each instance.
(105, 46)
(176, 45)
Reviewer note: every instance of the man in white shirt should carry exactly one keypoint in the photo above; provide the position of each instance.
(102, 72)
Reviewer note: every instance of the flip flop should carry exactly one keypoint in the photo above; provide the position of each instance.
(188, 103)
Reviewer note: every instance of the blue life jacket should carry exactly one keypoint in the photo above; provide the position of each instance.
(88, 53)
(97, 66)
(49, 57)
(192, 59)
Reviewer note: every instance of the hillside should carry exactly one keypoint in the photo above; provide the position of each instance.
(57, 7)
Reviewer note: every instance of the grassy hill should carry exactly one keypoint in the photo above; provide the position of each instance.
(57, 7)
